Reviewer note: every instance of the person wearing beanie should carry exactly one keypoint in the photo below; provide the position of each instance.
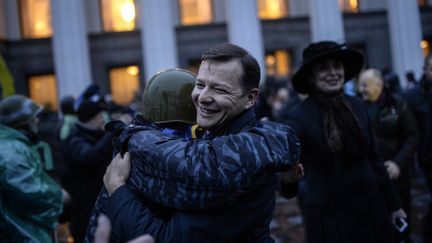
(30, 200)
(88, 151)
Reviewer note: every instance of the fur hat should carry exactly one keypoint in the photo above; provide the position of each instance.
(352, 61)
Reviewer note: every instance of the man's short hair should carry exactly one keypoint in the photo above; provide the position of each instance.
(226, 52)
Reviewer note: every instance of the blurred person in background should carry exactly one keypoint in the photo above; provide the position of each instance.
(419, 98)
(396, 135)
(392, 83)
(346, 194)
(411, 80)
(68, 117)
(30, 200)
(275, 97)
(88, 151)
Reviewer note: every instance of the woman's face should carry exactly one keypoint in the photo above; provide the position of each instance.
(328, 76)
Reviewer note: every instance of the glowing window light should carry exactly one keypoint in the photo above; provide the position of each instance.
(43, 90)
(35, 18)
(278, 63)
(127, 11)
(118, 15)
(272, 9)
(124, 82)
(351, 6)
(132, 70)
(195, 12)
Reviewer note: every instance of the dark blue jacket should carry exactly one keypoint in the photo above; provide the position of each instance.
(89, 153)
(218, 183)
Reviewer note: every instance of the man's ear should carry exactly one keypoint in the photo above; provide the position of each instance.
(252, 97)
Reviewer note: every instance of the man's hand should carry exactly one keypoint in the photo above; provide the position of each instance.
(117, 172)
(392, 169)
(103, 231)
(294, 174)
(400, 213)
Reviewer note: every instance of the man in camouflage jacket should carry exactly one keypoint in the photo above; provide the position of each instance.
(218, 188)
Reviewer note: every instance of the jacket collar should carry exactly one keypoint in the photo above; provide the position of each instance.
(237, 124)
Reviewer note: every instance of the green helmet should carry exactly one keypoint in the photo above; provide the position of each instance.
(18, 110)
(167, 97)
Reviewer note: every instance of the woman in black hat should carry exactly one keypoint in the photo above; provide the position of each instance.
(346, 194)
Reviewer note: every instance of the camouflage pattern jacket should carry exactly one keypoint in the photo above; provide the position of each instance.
(203, 174)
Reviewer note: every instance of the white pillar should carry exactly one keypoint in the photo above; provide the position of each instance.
(70, 47)
(157, 36)
(326, 21)
(244, 29)
(405, 36)
(12, 21)
(298, 8)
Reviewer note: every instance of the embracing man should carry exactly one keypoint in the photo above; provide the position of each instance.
(218, 188)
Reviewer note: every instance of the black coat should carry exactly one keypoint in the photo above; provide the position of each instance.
(396, 138)
(341, 201)
(419, 98)
(89, 153)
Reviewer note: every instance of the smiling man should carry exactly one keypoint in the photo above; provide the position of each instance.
(220, 188)
(217, 98)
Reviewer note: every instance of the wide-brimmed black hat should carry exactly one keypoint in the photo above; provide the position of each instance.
(352, 60)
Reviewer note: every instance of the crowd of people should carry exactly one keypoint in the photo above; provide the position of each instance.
(203, 156)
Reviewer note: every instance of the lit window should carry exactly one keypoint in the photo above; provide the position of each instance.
(43, 90)
(272, 9)
(350, 6)
(194, 12)
(426, 47)
(278, 64)
(36, 18)
(124, 83)
(118, 15)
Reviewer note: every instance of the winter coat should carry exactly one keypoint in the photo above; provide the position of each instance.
(30, 200)
(396, 138)
(89, 153)
(419, 98)
(210, 184)
(341, 201)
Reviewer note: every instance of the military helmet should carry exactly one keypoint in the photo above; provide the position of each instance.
(167, 97)
(18, 110)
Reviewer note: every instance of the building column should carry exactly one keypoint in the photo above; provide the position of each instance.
(11, 15)
(244, 29)
(405, 36)
(70, 47)
(158, 37)
(326, 21)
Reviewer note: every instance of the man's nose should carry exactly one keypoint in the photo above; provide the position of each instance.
(205, 96)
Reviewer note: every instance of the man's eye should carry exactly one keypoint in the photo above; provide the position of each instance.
(221, 91)
(199, 85)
